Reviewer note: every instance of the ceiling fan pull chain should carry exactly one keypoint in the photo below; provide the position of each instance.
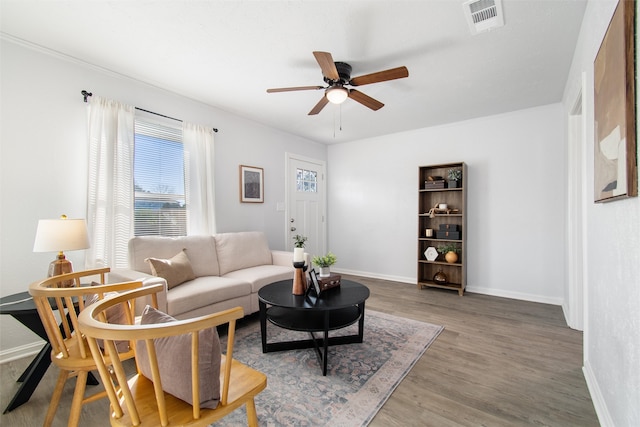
(334, 123)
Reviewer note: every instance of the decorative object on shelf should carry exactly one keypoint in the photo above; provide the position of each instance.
(440, 278)
(428, 232)
(448, 235)
(324, 262)
(251, 184)
(436, 210)
(448, 232)
(431, 254)
(434, 183)
(454, 176)
(449, 227)
(450, 252)
(58, 235)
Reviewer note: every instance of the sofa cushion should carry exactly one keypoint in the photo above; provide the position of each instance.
(262, 275)
(204, 291)
(241, 250)
(175, 270)
(174, 361)
(200, 249)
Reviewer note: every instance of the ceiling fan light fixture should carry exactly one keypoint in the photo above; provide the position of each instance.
(337, 94)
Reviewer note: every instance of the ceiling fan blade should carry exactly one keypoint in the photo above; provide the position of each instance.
(319, 106)
(380, 76)
(365, 100)
(328, 67)
(290, 89)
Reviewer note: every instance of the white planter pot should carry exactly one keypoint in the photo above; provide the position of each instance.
(298, 254)
(324, 271)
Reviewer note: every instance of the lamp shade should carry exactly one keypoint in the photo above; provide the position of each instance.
(337, 94)
(55, 235)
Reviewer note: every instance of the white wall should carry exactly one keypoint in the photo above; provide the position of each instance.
(612, 270)
(516, 225)
(43, 158)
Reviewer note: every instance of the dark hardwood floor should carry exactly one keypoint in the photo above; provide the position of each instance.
(499, 362)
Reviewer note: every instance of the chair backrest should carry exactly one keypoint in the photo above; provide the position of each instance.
(59, 299)
(157, 405)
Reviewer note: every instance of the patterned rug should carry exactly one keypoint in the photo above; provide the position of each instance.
(360, 377)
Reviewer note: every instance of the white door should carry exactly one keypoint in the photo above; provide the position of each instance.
(306, 214)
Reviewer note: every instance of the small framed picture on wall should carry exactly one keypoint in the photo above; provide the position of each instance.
(251, 184)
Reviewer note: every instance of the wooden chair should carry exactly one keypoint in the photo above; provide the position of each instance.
(58, 305)
(143, 400)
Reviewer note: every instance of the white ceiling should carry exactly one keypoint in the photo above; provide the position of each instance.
(227, 53)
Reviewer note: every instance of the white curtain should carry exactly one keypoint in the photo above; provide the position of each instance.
(110, 193)
(198, 152)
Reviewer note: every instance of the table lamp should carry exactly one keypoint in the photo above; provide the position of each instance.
(58, 235)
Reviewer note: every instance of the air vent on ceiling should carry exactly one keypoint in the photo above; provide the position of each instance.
(483, 15)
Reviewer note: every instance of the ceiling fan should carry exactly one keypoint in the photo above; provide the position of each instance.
(338, 75)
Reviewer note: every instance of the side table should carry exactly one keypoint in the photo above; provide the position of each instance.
(22, 308)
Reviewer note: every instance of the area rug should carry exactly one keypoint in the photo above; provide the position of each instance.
(360, 377)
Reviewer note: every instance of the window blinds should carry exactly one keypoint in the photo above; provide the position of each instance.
(159, 183)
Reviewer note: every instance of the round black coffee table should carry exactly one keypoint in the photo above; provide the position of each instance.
(335, 308)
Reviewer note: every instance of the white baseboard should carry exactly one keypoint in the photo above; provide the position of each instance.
(474, 289)
(20, 351)
(565, 313)
(515, 295)
(596, 396)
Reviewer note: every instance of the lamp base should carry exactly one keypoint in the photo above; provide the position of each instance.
(61, 265)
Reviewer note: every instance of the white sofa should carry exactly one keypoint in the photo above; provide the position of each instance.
(229, 270)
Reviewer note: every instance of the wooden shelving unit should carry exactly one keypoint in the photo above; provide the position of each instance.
(455, 216)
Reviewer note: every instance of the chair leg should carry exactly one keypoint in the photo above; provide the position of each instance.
(55, 398)
(78, 397)
(252, 415)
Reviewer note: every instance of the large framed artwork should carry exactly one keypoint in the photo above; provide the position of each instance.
(251, 184)
(615, 169)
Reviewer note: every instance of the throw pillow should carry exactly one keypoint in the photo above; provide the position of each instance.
(115, 315)
(175, 271)
(174, 361)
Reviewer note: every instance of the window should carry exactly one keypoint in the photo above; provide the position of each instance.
(159, 183)
(306, 181)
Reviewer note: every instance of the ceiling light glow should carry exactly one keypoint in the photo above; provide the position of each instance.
(337, 94)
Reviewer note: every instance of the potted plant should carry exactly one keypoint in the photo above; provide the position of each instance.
(454, 176)
(324, 262)
(298, 250)
(450, 252)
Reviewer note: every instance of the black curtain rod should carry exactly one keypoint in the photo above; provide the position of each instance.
(86, 94)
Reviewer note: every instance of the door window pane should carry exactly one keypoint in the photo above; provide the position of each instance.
(306, 181)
